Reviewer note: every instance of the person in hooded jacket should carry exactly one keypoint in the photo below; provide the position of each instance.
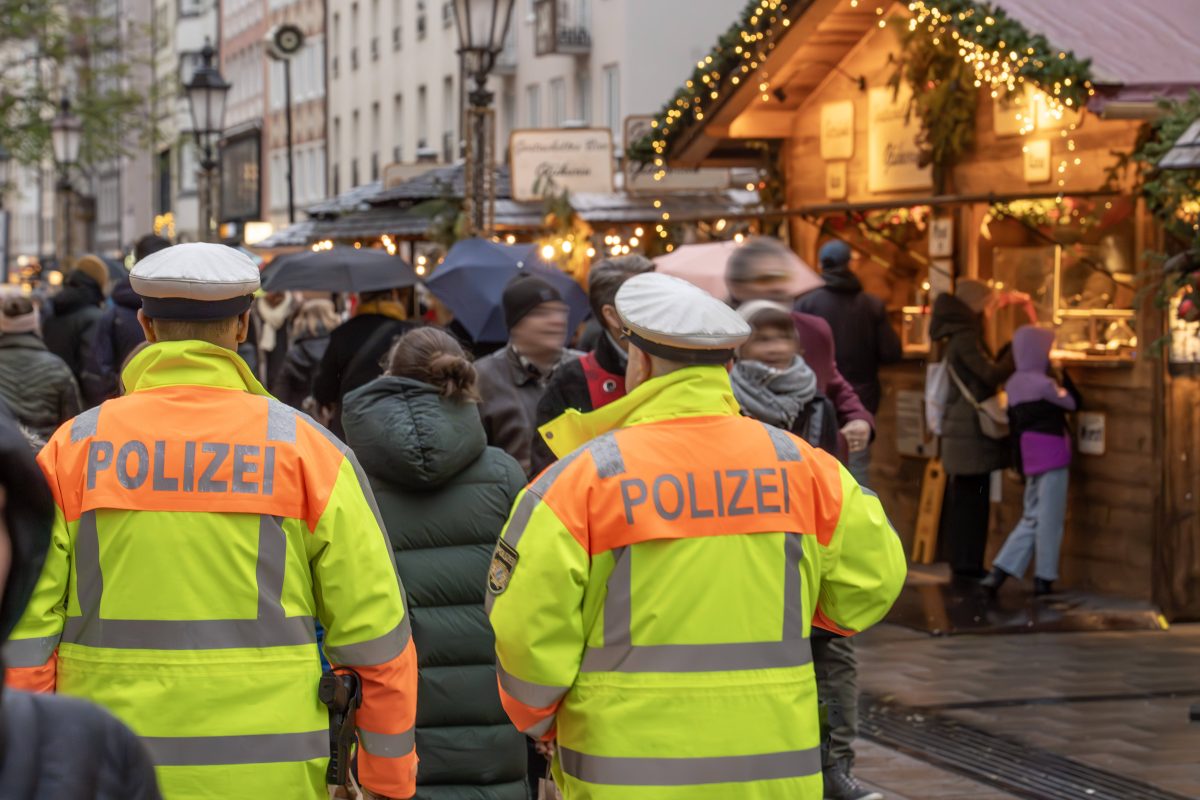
(309, 336)
(37, 385)
(1037, 412)
(856, 425)
(863, 337)
(444, 496)
(77, 310)
(54, 747)
(116, 333)
(968, 456)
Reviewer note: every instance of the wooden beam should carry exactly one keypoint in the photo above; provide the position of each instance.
(762, 124)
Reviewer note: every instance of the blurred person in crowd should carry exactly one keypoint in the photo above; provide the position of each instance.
(357, 347)
(597, 378)
(862, 335)
(38, 385)
(856, 425)
(78, 308)
(274, 312)
(763, 268)
(512, 379)
(117, 332)
(1037, 411)
(444, 496)
(773, 383)
(968, 456)
(314, 320)
(55, 748)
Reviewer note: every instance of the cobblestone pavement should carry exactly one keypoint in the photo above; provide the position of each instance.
(1116, 701)
(901, 777)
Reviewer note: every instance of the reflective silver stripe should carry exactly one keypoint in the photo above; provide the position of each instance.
(266, 748)
(281, 422)
(632, 771)
(785, 446)
(388, 745)
(619, 654)
(541, 729)
(85, 425)
(373, 651)
(29, 652)
(531, 694)
(269, 629)
(607, 455)
(726, 657)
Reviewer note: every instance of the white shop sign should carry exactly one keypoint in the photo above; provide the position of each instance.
(892, 151)
(639, 178)
(574, 160)
(837, 130)
(1090, 425)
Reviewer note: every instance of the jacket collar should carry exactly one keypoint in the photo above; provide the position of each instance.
(28, 341)
(190, 363)
(689, 392)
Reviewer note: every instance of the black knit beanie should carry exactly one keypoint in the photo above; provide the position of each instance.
(523, 294)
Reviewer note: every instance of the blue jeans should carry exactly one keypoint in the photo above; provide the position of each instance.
(1040, 529)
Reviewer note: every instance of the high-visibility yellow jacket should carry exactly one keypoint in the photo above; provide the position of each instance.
(653, 592)
(201, 528)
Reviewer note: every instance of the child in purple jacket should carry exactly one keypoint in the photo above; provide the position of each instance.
(1037, 411)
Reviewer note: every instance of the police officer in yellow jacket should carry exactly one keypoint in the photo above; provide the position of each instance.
(653, 592)
(201, 528)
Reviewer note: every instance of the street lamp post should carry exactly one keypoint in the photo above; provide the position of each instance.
(206, 93)
(482, 29)
(66, 134)
(5, 163)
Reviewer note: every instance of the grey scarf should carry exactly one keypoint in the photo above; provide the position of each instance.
(773, 396)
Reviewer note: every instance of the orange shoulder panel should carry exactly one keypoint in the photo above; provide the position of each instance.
(709, 476)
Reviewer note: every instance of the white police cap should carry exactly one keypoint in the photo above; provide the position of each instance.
(196, 281)
(678, 321)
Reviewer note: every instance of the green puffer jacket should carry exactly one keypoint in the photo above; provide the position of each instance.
(444, 495)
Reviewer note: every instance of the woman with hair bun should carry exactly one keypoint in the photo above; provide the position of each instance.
(444, 496)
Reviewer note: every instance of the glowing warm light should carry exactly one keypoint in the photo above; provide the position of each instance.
(421, 269)
(510, 239)
(721, 225)
(591, 252)
(567, 247)
(633, 242)
(616, 250)
(638, 232)
(739, 237)
(548, 252)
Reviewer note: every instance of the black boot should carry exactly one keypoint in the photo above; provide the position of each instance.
(841, 785)
(994, 580)
(1041, 587)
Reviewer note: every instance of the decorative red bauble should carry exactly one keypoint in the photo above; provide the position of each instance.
(1189, 311)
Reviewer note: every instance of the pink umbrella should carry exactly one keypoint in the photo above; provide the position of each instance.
(704, 265)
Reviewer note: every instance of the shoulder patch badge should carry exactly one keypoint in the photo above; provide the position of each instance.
(504, 563)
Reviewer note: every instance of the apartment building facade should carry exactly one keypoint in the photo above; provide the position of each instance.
(395, 93)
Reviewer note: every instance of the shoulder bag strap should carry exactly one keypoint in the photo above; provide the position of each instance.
(963, 388)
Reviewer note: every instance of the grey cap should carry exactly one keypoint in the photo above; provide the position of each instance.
(678, 321)
(195, 281)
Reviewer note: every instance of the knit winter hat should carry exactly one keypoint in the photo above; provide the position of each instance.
(974, 294)
(523, 294)
(95, 269)
(28, 322)
(834, 254)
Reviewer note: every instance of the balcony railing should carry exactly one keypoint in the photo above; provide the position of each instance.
(563, 27)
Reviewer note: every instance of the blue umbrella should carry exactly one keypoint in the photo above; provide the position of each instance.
(471, 281)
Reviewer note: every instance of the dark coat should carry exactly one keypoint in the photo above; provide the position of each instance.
(116, 333)
(965, 450)
(511, 392)
(444, 496)
(862, 336)
(37, 385)
(68, 334)
(295, 380)
(568, 388)
(354, 358)
(63, 748)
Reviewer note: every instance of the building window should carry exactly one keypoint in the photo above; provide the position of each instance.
(583, 97)
(420, 20)
(353, 173)
(422, 118)
(533, 99)
(398, 128)
(397, 38)
(447, 15)
(558, 102)
(336, 181)
(612, 100)
(449, 119)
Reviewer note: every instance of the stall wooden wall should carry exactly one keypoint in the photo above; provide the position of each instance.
(1177, 549)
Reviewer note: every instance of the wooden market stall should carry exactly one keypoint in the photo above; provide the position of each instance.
(1038, 196)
